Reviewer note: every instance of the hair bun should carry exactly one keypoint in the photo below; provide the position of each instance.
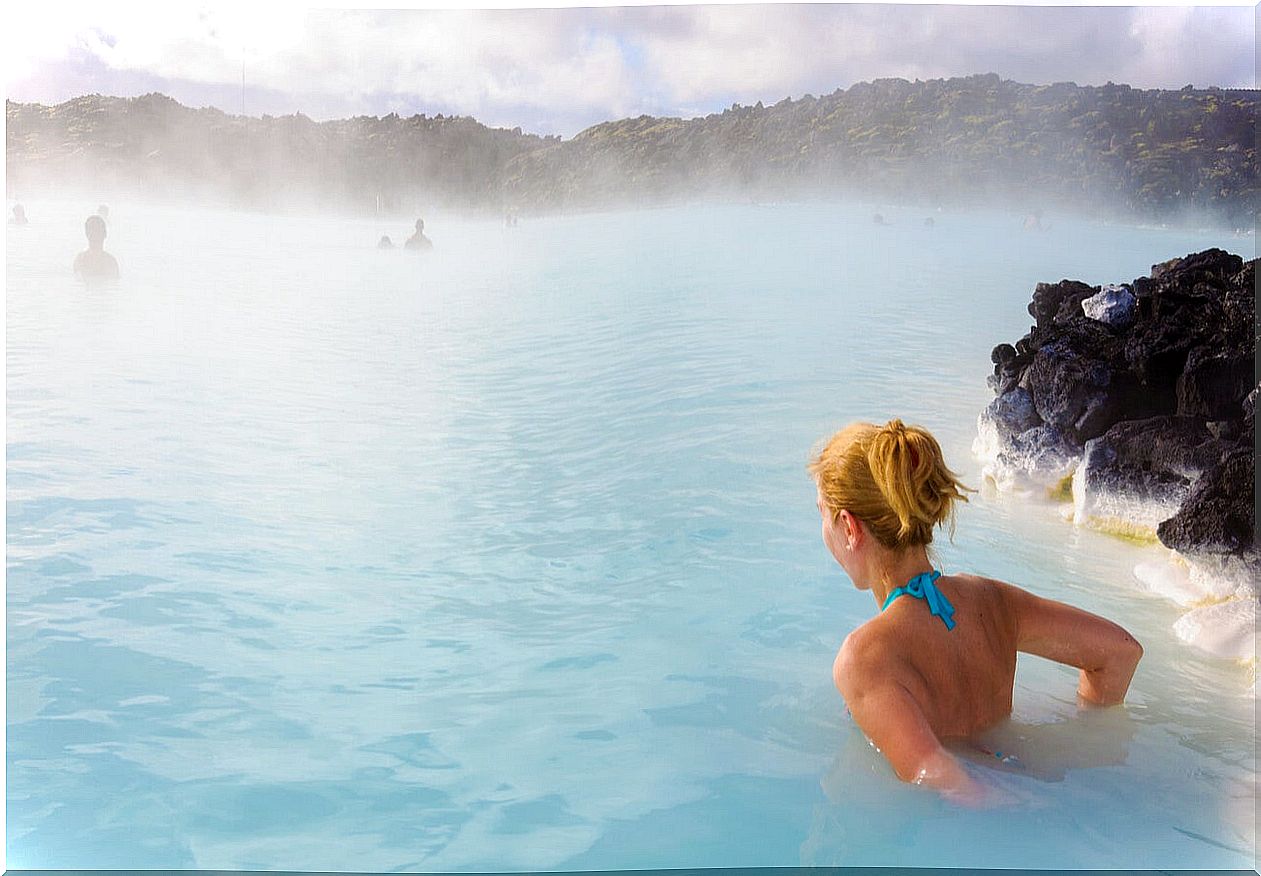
(892, 476)
(908, 466)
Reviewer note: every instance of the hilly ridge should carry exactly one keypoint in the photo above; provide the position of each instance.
(1126, 151)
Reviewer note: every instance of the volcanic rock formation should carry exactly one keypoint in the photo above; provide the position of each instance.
(1138, 402)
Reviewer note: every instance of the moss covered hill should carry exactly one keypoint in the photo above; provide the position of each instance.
(165, 148)
(1132, 151)
(1127, 151)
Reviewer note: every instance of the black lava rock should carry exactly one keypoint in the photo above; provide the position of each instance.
(1212, 264)
(1057, 302)
(1213, 384)
(1107, 469)
(1182, 447)
(1012, 413)
(1217, 517)
(1166, 402)
(1002, 354)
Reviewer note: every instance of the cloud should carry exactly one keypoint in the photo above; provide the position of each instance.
(562, 69)
(768, 52)
(1202, 46)
(468, 57)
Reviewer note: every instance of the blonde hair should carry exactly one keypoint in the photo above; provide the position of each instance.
(892, 477)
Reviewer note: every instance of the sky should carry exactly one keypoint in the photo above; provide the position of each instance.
(560, 70)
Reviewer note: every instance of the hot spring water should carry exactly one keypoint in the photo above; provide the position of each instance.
(505, 557)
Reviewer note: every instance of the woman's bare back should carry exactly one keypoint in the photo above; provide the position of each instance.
(910, 682)
(962, 678)
(923, 670)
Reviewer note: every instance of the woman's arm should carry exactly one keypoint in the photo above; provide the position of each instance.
(1105, 653)
(895, 724)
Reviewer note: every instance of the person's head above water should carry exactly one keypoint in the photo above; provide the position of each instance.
(420, 225)
(103, 211)
(94, 228)
(893, 478)
(94, 263)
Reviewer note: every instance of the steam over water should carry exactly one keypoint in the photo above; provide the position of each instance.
(504, 556)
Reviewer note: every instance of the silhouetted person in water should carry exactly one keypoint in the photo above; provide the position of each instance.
(418, 240)
(879, 219)
(94, 263)
(385, 242)
(929, 222)
(1033, 222)
(19, 215)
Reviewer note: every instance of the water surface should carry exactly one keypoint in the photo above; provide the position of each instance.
(505, 557)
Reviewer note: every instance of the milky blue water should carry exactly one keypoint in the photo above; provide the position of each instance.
(505, 557)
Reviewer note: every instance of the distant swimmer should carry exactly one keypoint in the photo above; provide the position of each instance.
(929, 222)
(385, 242)
(418, 240)
(879, 219)
(94, 263)
(1033, 222)
(19, 215)
(103, 211)
(938, 661)
(510, 217)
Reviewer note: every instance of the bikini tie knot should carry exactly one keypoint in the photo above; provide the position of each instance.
(924, 587)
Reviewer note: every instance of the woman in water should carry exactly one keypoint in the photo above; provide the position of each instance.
(939, 660)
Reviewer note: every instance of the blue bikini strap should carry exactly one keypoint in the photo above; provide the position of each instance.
(923, 587)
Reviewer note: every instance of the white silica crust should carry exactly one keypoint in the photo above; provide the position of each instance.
(1012, 467)
(1225, 629)
(1113, 305)
(1190, 583)
(1018, 453)
(1028, 474)
(1226, 575)
(1117, 511)
(988, 442)
(1170, 580)
(1222, 595)
(1220, 592)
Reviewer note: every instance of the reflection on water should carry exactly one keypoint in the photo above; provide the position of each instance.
(326, 557)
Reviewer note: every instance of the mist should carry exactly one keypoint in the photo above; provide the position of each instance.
(979, 142)
(406, 445)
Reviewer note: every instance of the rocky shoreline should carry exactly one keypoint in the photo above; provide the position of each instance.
(1136, 403)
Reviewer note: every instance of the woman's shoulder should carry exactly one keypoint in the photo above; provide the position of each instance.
(869, 647)
(980, 584)
(989, 597)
